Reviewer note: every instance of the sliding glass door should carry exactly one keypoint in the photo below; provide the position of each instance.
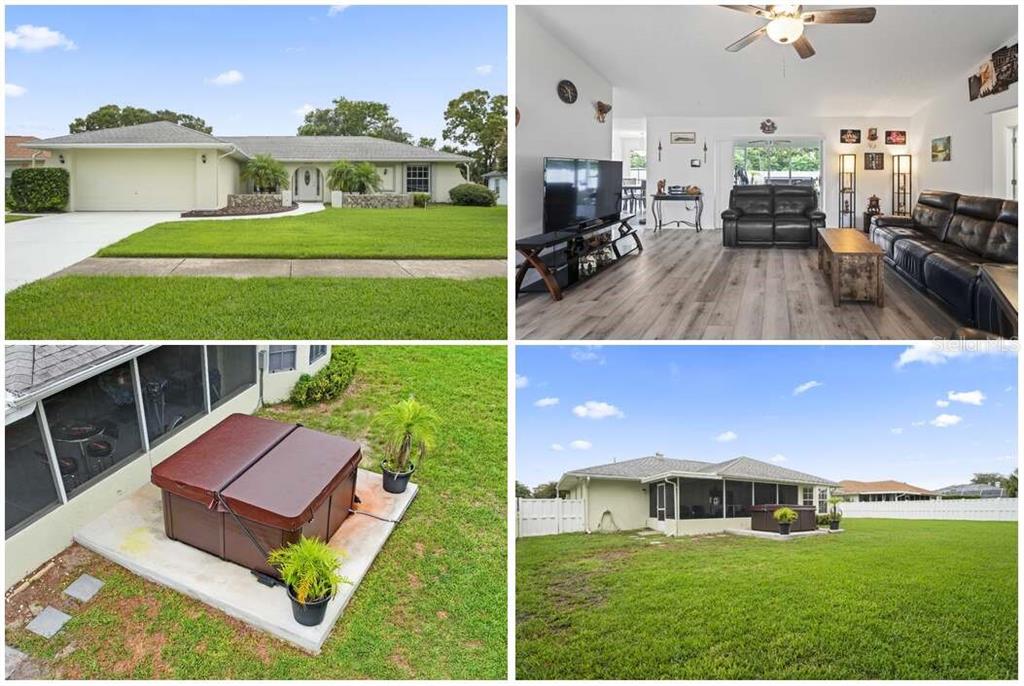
(777, 162)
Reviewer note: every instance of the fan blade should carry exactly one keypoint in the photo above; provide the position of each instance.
(747, 39)
(803, 47)
(750, 9)
(850, 15)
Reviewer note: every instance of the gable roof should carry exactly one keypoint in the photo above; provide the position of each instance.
(155, 133)
(14, 151)
(29, 368)
(849, 487)
(658, 466)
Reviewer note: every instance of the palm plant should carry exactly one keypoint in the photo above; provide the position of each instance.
(310, 568)
(834, 501)
(406, 426)
(785, 515)
(348, 177)
(266, 174)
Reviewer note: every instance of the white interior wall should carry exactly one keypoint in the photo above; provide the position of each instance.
(1003, 131)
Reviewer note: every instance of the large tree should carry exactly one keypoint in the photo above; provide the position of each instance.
(988, 478)
(354, 118)
(546, 490)
(522, 490)
(478, 123)
(113, 116)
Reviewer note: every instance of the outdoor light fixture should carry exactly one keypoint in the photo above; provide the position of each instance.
(203, 156)
(60, 158)
(786, 28)
(901, 166)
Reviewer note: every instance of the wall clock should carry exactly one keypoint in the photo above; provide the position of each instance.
(567, 92)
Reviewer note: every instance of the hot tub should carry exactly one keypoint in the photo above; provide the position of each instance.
(762, 518)
(277, 480)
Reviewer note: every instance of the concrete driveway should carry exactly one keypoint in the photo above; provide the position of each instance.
(39, 247)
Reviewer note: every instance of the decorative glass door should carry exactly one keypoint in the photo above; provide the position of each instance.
(777, 162)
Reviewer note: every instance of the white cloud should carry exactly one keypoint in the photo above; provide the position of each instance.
(940, 352)
(522, 381)
(304, 110)
(896, 430)
(557, 447)
(546, 402)
(593, 409)
(581, 445)
(726, 437)
(777, 459)
(967, 397)
(588, 354)
(36, 38)
(230, 77)
(335, 10)
(920, 423)
(946, 420)
(941, 403)
(13, 90)
(804, 387)
(484, 69)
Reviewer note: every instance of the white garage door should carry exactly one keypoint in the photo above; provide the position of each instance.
(146, 180)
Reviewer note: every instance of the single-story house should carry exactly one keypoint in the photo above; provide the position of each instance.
(167, 167)
(86, 423)
(497, 181)
(18, 157)
(972, 491)
(683, 497)
(882, 491)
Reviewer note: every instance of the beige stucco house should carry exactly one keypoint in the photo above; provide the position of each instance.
(163, 166)
(686, 497)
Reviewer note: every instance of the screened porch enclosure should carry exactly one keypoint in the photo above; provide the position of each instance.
(715, 498)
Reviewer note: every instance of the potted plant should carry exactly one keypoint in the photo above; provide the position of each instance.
(785, 516)
(834, 516)
(405, 426)
(346, 177)
(309, 569)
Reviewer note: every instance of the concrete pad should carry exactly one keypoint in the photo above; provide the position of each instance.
(84, 588)
(336, 268)
(48, 622)
(123, 266)
(13, 658)
(131, 534)
(234, 268)
(772, 536)
(455, 269)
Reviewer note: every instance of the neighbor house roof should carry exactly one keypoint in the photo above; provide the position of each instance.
(281, 148)
(974, 490)
(851, 487)
(14, 151)
(30, 368)
(658, 467)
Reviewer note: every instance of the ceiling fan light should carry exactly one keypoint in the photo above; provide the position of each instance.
(785, 30)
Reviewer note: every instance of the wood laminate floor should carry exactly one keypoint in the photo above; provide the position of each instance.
(686, 286)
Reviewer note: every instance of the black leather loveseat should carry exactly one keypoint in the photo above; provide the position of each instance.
(772, 215)
(940, 246)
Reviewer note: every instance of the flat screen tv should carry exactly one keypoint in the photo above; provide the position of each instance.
(578, 192)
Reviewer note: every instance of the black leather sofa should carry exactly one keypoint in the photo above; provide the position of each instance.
(772, 215)
(939, 248)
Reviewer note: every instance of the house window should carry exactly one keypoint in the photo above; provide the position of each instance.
(808, 495)
(95, 427)
(232, 369)
(822, 500)
(316, 352)
(281, 358)
(417, 178)
(173, 391)
(29, 490)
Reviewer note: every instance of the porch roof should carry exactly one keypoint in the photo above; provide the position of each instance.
(657, 467)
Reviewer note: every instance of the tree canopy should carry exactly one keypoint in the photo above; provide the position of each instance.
(476, 121)
(354, 118)
(989, 478)
(522, 490)
(113, 116)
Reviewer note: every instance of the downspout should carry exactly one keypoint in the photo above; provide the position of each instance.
(725, 505)
(586, 504)
(675, 525)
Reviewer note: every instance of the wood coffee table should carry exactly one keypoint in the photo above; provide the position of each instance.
(853, 265)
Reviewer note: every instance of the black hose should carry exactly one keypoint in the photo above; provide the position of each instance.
(383, 519)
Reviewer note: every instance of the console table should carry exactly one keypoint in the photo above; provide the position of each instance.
(574, 255)
(658, 211)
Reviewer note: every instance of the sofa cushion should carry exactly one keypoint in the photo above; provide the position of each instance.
(795, 201)
(1002, 240)
(885, 237)
(951, 276)
(755, 229)
(752, 199)
(972, 222)
(792, 229)
(909, 254)
(933, 212)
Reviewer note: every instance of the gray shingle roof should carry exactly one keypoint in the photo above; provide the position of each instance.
(333, 148)
(153, 133)
(31, 367)
(737, 468)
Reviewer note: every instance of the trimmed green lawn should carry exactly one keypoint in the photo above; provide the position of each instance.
(432, 606)
(886, 599)
(444, 231)
(147, 307)
(10, 218)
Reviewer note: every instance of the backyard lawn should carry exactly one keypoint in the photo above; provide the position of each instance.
(147, 307)
(432, 606)
(887, 599)
(443, 231)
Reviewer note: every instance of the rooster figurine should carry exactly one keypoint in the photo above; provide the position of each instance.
(603, 109)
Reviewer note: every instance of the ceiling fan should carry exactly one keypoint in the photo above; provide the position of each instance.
(786, 23)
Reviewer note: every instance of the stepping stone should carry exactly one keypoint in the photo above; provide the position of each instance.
(48, 622)
(13, 658)
(84, 588)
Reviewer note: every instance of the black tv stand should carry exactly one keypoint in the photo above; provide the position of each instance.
(574, 255)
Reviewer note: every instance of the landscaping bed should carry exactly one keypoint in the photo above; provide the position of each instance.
(887, 599)
(238, 211)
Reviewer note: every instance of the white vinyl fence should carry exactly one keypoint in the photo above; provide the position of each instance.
(997, 509)
(543, 516)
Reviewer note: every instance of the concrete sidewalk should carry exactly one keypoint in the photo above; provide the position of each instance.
(248, 268)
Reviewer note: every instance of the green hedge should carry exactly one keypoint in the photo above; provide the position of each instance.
(40, 189)
(329, 382)
(473, 194)
(420, 199)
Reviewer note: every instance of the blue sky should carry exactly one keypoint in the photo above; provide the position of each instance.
(842, 412)
(415, 58)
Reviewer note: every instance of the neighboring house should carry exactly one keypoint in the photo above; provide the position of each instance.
(648, 492)
(163, 166)
(86, 423)
(17, 157)
(972, 491)
(497, 181)
(882, 491)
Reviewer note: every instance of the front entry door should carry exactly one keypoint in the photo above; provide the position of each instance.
(307, 184)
